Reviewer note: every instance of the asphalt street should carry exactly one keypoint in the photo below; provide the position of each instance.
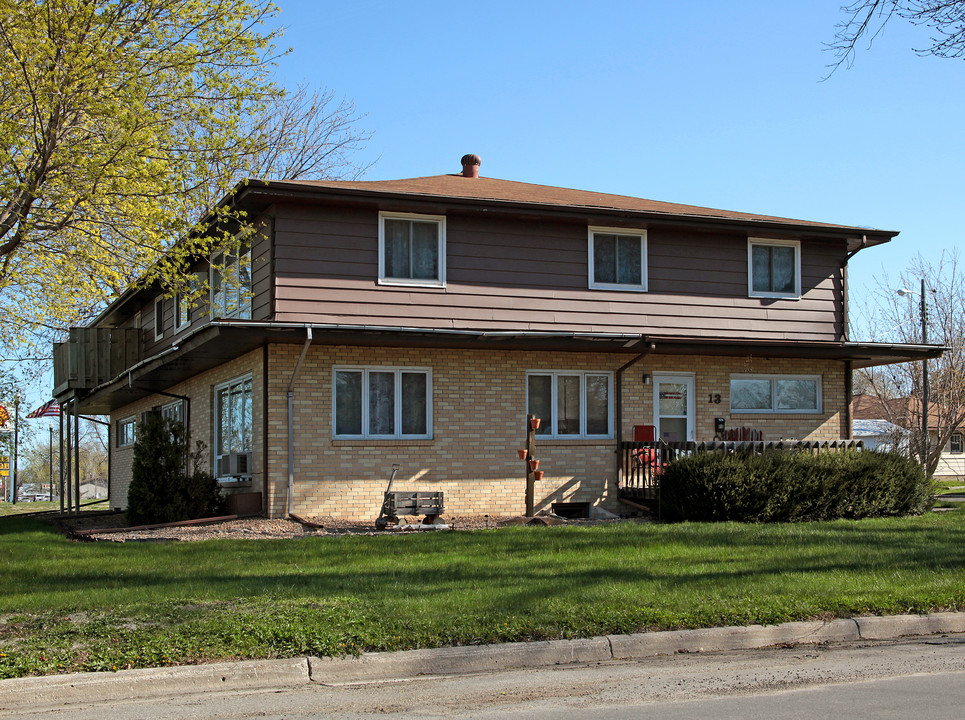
(922, 678)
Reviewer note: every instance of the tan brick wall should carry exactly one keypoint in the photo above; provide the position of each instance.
(479, 407)
(201, 391)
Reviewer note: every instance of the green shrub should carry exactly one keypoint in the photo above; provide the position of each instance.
(161, 488)
(792, 486)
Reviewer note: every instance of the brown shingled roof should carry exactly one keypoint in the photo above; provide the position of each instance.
(491, 189)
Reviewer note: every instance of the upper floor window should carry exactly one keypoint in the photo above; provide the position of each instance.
(774, 268)
(182, 304)
(159, 318)
(382, 402)
(775, 393)
(571, 403)
(955, 443)
(231, 283)
(412, 249)
(618, 259)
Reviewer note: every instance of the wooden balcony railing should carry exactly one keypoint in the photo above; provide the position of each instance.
(92, 356)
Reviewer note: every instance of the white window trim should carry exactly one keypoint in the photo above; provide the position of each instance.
(772, 378)
(175, 403)
(398, 370)
(796, 244)
(234, 247)
(642, 234)
(552, 435)
(961, 440)
(440, 220)
(124, 421)
(216, 420)
(159, 318)
(179, 304)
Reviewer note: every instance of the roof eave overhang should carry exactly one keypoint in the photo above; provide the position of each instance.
(273, 190)
(221, 341)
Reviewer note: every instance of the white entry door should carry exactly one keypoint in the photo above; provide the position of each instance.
(673, 407)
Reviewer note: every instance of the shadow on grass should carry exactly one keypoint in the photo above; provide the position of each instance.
(485, 572)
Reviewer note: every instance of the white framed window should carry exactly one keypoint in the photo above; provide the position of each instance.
(617, 259)
(412, 249)
(183, 303)
(775, 393)
(955, 443)
(773, 268)
(126, 432)
(382, 402)
(571, 403)
(231, 283)
(173, 411)
(232, 420)
(158, 318)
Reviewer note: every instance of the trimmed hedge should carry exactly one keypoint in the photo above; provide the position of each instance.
(792, 487)
(161, 490)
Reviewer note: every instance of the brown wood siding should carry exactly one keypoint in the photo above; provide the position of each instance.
(506, 274)
(261, 300)
(261, 286)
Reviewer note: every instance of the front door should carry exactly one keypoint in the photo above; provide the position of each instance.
(673, 407)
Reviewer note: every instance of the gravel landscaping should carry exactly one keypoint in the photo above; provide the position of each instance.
(259, 528)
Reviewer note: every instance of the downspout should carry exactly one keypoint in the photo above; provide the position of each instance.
(619, 393)
(291, 423)
(849, 398)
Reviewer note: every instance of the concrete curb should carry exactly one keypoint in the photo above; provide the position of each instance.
(60, 690)
(887, 627)
(630, 647)
(79, 688)
(458, 660)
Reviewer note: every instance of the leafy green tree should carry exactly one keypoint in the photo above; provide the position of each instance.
(120, 122)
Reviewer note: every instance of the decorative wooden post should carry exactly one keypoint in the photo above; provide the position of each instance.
(532, 422)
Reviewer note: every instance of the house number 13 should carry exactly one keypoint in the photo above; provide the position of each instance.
(714, 398)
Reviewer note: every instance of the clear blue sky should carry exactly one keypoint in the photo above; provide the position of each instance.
(718, 104)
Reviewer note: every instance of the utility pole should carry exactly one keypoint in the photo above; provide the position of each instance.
(923, 311)
(50, 451)
(924, 377)
(16, 445)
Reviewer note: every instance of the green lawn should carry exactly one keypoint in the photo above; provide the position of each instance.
(26, 508)
(100, 606)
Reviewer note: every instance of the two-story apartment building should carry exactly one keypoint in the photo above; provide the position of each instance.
(419, 321)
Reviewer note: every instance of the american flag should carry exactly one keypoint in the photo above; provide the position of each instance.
(50, 409)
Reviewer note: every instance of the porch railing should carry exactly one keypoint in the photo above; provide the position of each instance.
(643, 462)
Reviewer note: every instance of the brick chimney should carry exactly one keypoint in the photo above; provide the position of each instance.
(470, 166)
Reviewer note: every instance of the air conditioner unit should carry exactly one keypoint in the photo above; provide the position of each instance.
(234, 465)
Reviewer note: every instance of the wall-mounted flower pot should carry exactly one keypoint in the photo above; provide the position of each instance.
(533, 463)
(538, 475)
(534, 423)
(523, 453)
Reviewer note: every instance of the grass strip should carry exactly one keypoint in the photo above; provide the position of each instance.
(67, 606)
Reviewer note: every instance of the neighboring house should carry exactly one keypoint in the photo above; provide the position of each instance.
(93, 489)
(418, 321)
(906, 414)
(880, 435)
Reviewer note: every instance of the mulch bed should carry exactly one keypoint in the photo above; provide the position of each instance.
(259, 528)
